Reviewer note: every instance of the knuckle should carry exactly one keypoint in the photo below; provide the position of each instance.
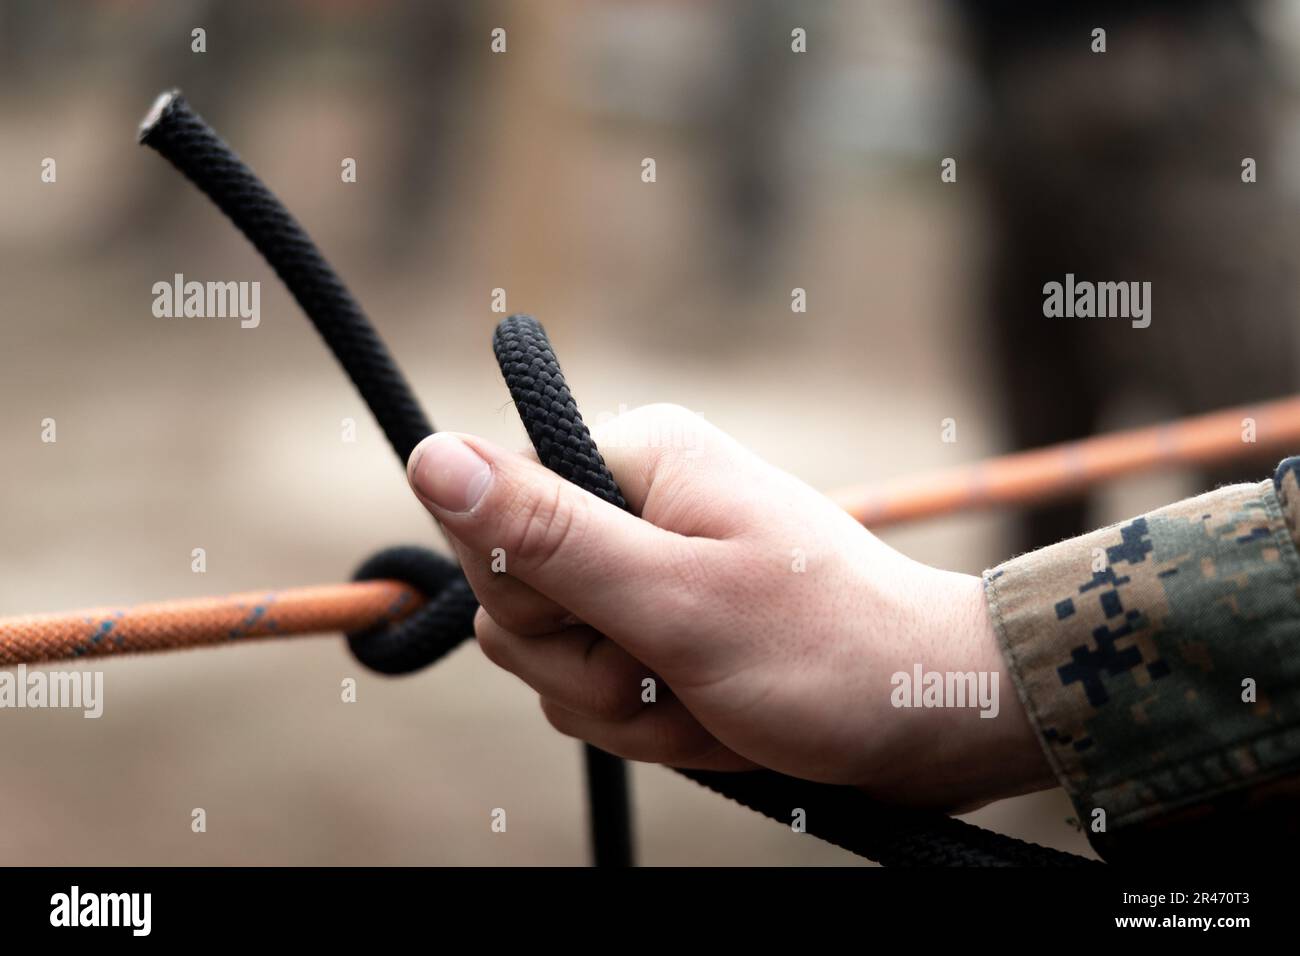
(701, 749)
(557, 717)
(492, 639)
(519, 616)
(508, 618)
(658, 429)
(618, 697)
(676, 744)
(544, 526)
(654, 411)
(666, 411)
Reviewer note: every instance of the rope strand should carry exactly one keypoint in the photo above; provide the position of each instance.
(204, 621)
(183, 138)
(1057, 471)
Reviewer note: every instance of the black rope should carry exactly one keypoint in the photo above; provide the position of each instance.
(185, 140)
(841, 815)
(192, 146)
(439, 625)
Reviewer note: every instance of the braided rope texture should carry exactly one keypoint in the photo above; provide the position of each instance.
(189, 144)
(547, 409)
(891, 836)
(565, 446)
(199, 622)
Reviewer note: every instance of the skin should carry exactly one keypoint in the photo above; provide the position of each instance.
(755, 663)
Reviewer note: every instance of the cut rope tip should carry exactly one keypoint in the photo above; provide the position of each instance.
(151, 118)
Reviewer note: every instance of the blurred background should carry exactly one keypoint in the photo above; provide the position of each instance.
(522, 171)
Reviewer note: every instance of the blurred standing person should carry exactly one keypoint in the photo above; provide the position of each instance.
(1127, 166)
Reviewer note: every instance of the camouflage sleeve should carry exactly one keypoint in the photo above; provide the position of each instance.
(1159, 661)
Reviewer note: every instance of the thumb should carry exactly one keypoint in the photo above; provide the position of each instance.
(597, 561)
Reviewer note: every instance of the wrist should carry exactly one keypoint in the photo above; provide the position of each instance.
(997, 753)
(970, 742)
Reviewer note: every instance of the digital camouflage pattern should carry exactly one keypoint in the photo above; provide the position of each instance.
(1133, 648)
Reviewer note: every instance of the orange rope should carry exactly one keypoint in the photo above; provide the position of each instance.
(1022, 478)
(1061, 470)
(98, 632)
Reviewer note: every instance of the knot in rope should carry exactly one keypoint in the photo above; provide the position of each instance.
(439, 624)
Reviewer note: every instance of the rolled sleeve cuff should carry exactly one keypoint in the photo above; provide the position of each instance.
(1159, 658)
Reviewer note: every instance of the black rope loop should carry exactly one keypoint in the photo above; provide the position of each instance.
(443, 621)
(546, 407)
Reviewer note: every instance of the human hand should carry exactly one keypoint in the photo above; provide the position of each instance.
(771, 623)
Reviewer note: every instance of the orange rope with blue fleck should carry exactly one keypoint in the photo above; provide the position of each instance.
(204, 621)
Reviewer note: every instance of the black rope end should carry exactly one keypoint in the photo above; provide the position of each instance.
(166, 103)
